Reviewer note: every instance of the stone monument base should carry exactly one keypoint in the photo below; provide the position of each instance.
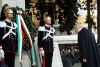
(25, 62)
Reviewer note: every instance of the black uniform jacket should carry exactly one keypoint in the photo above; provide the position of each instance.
(45, 38)
(9, 42)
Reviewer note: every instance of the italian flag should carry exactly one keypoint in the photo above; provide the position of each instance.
(22, 27)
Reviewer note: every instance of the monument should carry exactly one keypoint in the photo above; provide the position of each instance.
(13, 3)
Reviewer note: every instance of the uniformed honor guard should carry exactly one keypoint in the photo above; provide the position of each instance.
(45, 42)
(8, 41)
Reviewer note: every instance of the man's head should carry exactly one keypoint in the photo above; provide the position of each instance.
(77, 28)
(47, 20)
(8, 13)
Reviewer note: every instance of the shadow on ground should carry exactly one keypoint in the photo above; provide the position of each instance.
(77, 65)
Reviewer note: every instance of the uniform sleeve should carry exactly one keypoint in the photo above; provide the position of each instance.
(81, 44)
(40, 36)
(1, 35)
(2, 30)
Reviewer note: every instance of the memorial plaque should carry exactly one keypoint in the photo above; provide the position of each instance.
(13, 3)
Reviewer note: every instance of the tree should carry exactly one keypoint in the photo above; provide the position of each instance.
(88, 14)
(98, 20)
(67, 14)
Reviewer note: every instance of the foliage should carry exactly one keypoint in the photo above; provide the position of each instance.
(67, 14)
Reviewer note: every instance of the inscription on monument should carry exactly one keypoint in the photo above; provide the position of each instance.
(14, 3)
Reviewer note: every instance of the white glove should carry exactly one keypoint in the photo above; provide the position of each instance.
(42, 52)
(1, 53)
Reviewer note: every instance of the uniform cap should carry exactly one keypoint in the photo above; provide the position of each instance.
(7, 9)
(47, 18)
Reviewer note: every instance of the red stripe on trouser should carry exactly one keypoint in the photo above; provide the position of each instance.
(44, 60)
(3, 60)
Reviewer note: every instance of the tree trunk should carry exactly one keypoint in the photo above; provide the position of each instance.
(88, 15)
(98, 20)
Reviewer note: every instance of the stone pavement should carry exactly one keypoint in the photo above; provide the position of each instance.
(57, 62)
(77, 65)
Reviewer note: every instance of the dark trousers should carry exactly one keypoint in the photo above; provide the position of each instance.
(10, 59)
(47, 59)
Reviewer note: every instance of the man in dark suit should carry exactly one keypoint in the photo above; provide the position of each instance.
(8, 42)
(89, 55)
(45, 41)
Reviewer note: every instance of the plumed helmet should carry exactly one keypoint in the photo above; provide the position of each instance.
(7, 9)
(47, 18)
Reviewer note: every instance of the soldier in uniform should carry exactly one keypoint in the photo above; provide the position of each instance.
(8, 41)
(45, 41)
